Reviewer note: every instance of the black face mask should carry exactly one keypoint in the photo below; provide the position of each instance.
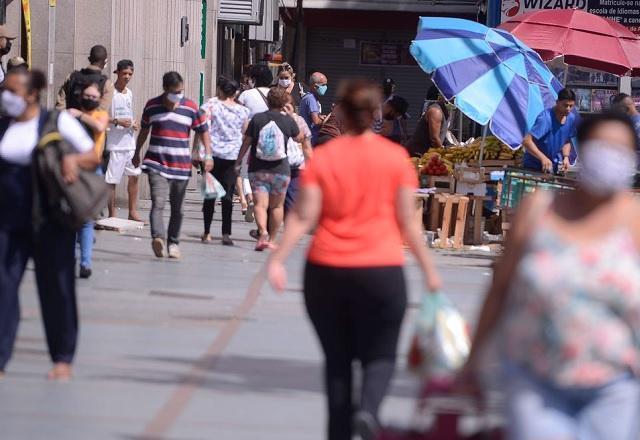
(89, 104)
(6, 49)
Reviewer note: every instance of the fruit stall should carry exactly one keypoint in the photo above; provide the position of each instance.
(464, 195)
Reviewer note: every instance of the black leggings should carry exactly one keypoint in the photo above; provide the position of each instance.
(224, 171)
(357, 314)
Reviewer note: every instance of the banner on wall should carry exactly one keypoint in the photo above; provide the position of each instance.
(26, 16)
(625, 12)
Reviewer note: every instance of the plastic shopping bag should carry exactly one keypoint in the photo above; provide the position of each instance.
(441, 342)
(210, 188)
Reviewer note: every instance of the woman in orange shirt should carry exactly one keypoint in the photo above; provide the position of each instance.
(95, 122)
(358, 193)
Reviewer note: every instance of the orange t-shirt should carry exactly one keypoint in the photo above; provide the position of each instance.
(359, 177)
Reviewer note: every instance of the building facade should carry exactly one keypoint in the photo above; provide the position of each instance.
(368, 39)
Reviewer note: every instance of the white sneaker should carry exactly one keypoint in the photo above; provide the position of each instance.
(174, 251)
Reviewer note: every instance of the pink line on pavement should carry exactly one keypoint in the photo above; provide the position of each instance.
(164, 419)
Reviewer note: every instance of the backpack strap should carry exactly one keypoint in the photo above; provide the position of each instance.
(47, 124)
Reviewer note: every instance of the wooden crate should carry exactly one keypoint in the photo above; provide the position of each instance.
(445, 203)
(442, 184)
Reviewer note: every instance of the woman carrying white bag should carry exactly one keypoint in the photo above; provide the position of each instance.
(227, 122)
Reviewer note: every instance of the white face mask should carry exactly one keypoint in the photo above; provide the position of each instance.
(284, 82)
(175, 97)
(12, 104)
(606, 169)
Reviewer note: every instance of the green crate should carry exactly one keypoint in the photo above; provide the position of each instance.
(518, 183)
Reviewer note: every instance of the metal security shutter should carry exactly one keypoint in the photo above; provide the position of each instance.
(328, 53)
(241, 11)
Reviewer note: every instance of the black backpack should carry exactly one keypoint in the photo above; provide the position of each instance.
(68, 205)
(78, 81)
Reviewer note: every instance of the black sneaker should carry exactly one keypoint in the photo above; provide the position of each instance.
(85, 272)
(254, 234)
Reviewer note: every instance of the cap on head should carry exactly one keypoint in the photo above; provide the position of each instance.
(4, 33)
(123, 65)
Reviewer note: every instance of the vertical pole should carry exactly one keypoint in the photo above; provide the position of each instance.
(51, 52)
(485, 128)
(460, 118)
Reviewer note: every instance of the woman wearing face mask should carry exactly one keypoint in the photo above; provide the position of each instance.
(565, 301)
(287, 82)
(95, 122)
(53, 248)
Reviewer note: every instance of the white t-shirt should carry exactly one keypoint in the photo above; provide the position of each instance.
(252, 100)
(21, 138)
(118, 137)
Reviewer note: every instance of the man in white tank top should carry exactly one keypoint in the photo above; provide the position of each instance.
(121, 143)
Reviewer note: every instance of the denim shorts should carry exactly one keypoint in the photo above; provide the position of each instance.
(539, 410)
(270, 183)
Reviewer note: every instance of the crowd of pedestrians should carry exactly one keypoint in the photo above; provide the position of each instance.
(570, 353)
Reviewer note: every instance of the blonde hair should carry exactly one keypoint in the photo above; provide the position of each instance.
(286, 67)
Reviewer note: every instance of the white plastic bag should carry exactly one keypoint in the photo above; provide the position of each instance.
(441, 342)
(210, 188)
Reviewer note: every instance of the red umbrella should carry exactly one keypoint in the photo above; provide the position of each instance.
(583, 39)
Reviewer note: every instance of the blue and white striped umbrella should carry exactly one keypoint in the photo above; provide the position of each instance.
(494, 77)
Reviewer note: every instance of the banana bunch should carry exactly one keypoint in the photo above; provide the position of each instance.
(493, 150)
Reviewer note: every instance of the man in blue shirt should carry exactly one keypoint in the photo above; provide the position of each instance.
(310, 108)
(548, 145)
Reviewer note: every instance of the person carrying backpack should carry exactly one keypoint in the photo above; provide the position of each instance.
(51, 245)
(70, 94)
(266, 141)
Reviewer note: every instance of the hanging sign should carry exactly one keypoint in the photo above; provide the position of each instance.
(625, 12)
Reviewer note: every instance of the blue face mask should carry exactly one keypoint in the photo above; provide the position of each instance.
(322, 89)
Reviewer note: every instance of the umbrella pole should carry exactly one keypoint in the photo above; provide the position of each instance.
(566, 73)
(484, 139)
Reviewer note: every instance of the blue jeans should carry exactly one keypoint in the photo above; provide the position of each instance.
(85, 238)
(539, 410)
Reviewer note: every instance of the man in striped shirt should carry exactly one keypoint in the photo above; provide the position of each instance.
(170, 118)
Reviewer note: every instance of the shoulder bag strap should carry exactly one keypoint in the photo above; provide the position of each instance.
(263, 96)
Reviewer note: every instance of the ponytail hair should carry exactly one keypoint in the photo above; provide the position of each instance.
(228, 87)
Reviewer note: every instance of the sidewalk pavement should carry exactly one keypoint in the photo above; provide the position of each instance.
(193, 349)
